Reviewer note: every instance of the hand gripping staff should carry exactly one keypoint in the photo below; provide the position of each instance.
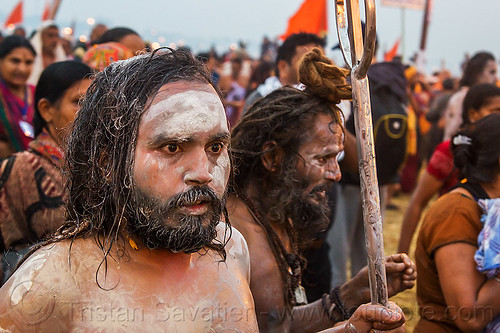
(359, 58)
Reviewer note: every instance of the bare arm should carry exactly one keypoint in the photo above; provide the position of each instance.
(366, 318)
(30, 298)
(427, 187)
(310, 318)
(401, 275)
(471, 300)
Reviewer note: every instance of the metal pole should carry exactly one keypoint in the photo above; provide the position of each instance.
(359, 57)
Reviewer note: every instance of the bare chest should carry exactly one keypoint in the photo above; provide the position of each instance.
(204, 298)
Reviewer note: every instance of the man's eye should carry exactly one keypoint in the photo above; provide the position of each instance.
(172, 148)
(216, 147)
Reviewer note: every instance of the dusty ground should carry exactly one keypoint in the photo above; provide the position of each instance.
(392, 227)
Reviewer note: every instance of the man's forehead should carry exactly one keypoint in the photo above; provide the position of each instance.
(186, 103)
(325, 129)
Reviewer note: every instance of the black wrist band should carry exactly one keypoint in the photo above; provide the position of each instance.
(339, 306)
(329, 308)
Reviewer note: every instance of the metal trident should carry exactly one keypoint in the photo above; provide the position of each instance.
(359, 58)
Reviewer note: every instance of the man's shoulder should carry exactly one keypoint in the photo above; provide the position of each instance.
(30, 294)
(54, 264)
(236, 247)
(49, 283)
(241, 219)
(255, 236)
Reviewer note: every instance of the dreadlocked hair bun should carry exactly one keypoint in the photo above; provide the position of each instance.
(322, 78)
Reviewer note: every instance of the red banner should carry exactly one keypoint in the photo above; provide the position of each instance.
(46, 11)
(16, 16)
(311, 18)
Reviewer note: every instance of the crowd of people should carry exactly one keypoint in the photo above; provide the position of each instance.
(162, 190)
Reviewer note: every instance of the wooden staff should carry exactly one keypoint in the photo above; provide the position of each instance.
(359, 58)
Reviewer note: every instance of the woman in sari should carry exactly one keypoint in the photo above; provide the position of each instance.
(16, 96)
(31, 182)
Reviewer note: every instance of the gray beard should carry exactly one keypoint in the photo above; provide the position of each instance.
(162, 225)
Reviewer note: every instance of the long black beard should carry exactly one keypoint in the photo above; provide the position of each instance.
(310, 218)
(162, 225)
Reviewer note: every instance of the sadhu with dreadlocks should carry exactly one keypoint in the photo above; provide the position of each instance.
(143, 249)
(286, 150)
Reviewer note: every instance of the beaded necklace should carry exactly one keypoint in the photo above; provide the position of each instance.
(289, 264)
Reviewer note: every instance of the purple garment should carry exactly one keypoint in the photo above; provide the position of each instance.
(237, 93)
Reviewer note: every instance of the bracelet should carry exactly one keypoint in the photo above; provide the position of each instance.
(350, 328)
(339, 306)
(329, 308)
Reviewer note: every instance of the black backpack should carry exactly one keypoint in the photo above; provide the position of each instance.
(390, 121)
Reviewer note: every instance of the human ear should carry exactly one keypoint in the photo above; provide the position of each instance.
(283, 68)
(46, 110)
(272, 156)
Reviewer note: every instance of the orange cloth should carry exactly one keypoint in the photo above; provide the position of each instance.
(412, 131)
(100, 56)
(311, 18)
(453, 218)
(389, 55)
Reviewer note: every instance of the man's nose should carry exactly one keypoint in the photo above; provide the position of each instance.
(332, 171)
(198, 169)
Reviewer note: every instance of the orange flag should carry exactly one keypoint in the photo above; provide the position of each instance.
(46, 11)
(311, 18)
(16, 16)
(392, 52)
